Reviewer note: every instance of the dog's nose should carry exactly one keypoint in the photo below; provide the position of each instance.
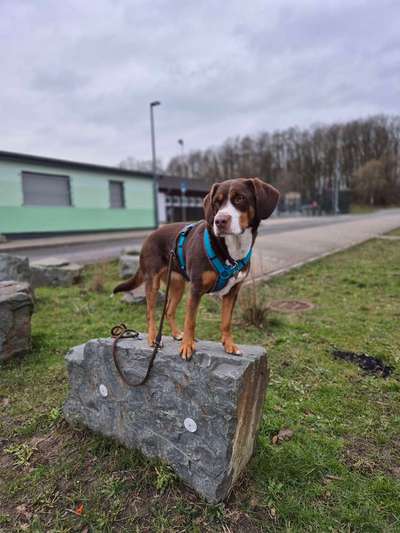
(222, 221)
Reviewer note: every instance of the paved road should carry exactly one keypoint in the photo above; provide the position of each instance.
(280, 248)
(282, 242)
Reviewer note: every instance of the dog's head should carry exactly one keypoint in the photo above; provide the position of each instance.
(235, 205)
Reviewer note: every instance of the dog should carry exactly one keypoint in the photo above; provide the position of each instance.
(213, 255)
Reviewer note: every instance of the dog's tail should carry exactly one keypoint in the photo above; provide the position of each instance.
(131, 284)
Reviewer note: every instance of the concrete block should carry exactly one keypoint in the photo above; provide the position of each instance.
(16, 307)
(200, 416)
(54, 272)
(128, 264)
(14, 268)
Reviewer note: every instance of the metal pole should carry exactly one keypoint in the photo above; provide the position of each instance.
(154, 161)
(182, 144)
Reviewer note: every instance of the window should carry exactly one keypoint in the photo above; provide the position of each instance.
(117, 197)
(45, 189)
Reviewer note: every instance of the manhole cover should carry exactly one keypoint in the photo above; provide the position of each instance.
(289, 306)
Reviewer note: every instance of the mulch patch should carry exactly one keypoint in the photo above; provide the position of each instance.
(370, 364)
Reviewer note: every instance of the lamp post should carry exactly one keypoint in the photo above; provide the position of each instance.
(154, 160)
(183, 183)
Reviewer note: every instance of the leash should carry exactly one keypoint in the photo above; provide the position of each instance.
(122, 332)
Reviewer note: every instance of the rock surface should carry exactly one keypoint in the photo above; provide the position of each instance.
(54, 272)
(16, 307)
(199, 416)
(128, 264)
(138, 296)
(14, 268)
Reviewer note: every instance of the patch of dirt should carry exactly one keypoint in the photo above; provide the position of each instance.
(290, 306)
(47, 448)
(370, 364)
(369, 457)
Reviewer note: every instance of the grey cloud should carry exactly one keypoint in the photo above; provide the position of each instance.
(77, 77)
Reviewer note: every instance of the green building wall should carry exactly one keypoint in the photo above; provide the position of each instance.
(90, 210)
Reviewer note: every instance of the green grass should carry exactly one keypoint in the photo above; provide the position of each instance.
(358, 209)
(395, 232)
(339, 472)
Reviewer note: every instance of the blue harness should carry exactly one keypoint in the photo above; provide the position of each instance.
(225, 272)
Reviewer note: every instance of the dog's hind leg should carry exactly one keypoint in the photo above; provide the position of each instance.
(176, 290)
(152, 286)
(188, 344)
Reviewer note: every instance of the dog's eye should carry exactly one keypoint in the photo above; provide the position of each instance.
(239, 198)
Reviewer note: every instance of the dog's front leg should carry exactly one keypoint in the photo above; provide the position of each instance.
(228, 303)
(188, 344)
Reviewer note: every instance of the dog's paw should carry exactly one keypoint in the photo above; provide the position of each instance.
(177, 336)
(187, 349)
(231, 348)
(151, 339)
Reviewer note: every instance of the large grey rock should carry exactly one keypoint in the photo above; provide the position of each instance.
(14, 268)
(16, 307)
(128, 264)
(54, 272)
(222, 394)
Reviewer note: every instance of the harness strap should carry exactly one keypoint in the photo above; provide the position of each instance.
(180, 251)
(224, 271)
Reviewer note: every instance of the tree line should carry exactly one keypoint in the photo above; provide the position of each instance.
(362, 155)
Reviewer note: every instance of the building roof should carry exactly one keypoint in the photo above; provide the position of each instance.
(165, 182)
(64, 163)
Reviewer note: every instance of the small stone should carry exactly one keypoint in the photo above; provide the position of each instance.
(14, 268)
(128, 265)
(55, 272)
(138, 296)
(16, 308)
(134, 249)
(51, 262)
(200, 416)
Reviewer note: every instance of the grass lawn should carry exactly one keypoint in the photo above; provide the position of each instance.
(362, 209)
(339, 472)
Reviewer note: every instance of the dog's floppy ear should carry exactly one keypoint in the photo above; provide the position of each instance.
(207, 204)
(266, 198)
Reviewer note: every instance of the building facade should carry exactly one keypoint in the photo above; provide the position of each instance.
(181, 199)
(40, 195)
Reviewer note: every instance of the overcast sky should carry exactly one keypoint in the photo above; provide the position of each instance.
(77, 77)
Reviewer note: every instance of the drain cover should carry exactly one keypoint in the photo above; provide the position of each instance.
(290, 306)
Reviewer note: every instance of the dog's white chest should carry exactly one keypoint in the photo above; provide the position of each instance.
(232, 281)
(238, 247)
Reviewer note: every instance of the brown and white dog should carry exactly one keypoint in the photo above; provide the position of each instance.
(233, 211)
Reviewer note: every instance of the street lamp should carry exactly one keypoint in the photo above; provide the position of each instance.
(182, 145)
(153, 150)
(183, 182)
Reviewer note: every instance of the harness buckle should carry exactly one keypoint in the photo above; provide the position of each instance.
(226, 274)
